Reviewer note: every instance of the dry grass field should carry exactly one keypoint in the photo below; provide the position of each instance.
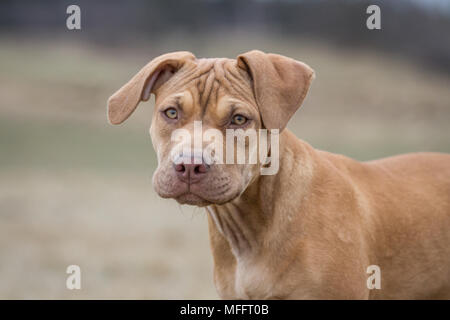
(75, 190)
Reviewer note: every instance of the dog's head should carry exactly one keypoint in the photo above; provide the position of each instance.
(208, 97)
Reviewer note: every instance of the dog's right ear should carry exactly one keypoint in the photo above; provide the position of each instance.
(122, 103)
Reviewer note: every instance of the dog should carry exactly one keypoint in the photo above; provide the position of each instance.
(313, 229)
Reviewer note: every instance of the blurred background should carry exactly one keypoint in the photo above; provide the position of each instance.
(76, 190)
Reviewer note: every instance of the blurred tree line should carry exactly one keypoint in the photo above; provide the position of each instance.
(411, 28)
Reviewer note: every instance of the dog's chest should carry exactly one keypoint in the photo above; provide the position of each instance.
(253, 281)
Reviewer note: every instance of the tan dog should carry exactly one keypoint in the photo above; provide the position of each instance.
(312, 230)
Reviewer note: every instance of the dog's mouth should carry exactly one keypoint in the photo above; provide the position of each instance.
(212, 190)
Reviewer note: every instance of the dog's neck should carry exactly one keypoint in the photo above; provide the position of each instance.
(241, 223)
(250, 225)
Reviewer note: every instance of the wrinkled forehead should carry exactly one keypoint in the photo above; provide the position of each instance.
(207, 81)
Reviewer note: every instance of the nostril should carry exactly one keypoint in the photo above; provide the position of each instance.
(180, 168)
(200, 169)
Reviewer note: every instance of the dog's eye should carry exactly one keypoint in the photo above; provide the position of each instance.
(239, 120)
(171, 113)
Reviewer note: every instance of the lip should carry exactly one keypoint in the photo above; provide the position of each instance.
(192, 199)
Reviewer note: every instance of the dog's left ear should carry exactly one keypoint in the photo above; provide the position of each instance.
(280, 85)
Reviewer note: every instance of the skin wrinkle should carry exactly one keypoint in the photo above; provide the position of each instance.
(239, 83)
(216, 88)
(210, 79)
(213, 213)
(227, 231)
(188, 75)
(239, 228)
(236, 88)
(234, 229)
(206, 92)
(206, 79)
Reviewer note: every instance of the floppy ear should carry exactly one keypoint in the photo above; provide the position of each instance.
(280, 85)
(122, 103)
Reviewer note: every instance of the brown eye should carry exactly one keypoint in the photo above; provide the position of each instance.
(171, 113)
(239, 120)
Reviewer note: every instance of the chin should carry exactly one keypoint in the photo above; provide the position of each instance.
(196, 200)
(193, 200)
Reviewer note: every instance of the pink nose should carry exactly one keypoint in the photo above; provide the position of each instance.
(191, 173)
